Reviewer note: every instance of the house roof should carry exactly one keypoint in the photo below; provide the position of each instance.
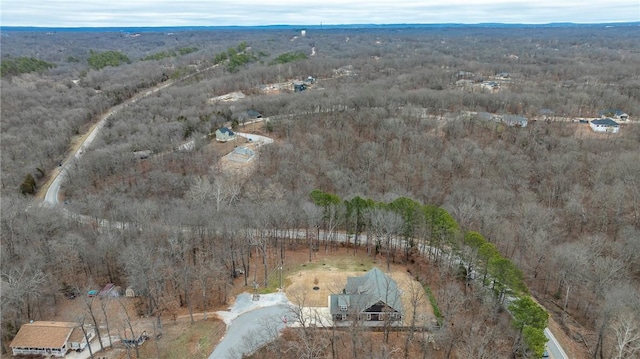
(250, 114)
(367, 290)
(484, 116)
(77, 335)
(244, 151)
(605, 122)
(43, 334)
(107, 288)
(227, 131)
(609, 112)
(514, 118)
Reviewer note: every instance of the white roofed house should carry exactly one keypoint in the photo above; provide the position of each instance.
(373, 299)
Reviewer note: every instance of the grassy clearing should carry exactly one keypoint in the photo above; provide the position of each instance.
(346, 263)
(337, 262)
(195, 341)
(274, 283)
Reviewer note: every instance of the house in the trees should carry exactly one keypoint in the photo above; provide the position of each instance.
(485, 116)
(611, 113)
(465, 75)
(249, 115)
(509, 120)
(299, 86)
(605, 125)
(515, 120)
(373, 299)
(490, 85)
(546, 113)
(51, 339)
(224, 134)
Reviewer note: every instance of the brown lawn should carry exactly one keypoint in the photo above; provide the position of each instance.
(329, 273)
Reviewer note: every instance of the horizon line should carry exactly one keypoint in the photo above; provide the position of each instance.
(457, 24)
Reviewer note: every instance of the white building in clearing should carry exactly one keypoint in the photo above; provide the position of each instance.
(605, 125)
(50, 338)
(224, 134)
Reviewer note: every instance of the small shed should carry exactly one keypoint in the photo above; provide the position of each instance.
(129, 292)
(107, 290)
(224, 134)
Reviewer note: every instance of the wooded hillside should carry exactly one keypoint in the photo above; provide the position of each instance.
(414, 113)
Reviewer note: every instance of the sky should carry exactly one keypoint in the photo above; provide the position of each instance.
(142, 13)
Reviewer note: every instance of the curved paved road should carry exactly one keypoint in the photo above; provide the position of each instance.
(251, 324)
(249, 331)
(51, 196)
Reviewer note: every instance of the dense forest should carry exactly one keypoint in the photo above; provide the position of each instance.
(393, 114)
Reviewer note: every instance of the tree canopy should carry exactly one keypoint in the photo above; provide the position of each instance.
(22, 65)
(100, 60)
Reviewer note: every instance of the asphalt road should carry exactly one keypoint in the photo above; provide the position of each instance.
(554, 348)
(51, 196)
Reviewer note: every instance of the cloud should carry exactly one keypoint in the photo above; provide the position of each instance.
(97, 13)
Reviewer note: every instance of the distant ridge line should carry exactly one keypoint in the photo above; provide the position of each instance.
(135, 29)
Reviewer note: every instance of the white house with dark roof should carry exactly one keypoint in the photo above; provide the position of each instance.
(224, 134)
(615, 113)
(52, 339)
(373, 299)
(605, 125)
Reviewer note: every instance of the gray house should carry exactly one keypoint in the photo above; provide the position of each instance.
(373, 299)
(515, 120)
(224, 134)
